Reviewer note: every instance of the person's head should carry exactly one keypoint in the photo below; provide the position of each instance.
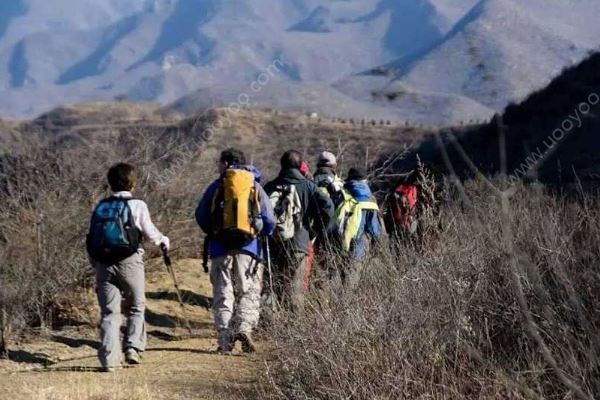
(121, 177)
(356, 174)
(231, 157)
(326, 159)
(291, 159)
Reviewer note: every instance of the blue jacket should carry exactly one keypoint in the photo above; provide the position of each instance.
(370, 226)
(204, 219)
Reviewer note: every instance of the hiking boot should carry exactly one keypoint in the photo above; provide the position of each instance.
(247, 342)
(132, 356)
(225, 351)
(225, 343)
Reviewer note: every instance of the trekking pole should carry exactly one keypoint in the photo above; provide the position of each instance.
(205, 250)
(169, 265)
(268, 251)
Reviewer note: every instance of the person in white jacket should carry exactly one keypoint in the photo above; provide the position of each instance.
(124, 278)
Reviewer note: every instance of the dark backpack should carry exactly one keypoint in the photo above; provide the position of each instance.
(326, 184)
(113, 235)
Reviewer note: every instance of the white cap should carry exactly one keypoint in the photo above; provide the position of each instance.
(326, 159)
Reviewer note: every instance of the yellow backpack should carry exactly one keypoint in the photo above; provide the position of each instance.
(236, 209)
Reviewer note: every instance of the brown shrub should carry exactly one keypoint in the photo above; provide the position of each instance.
(48, 190)
(502, 303)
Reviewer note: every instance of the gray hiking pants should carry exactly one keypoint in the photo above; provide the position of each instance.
(123, 280)
(237, 283)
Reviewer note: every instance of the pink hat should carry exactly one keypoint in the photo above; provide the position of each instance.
(304, 168)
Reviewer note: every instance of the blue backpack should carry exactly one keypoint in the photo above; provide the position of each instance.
(113, 235)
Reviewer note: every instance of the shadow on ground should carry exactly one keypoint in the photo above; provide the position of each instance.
(26, 357)
(170, 321)
(72, 368)
(203, 334)
(182, 350)
(72, 342)
(188, 297)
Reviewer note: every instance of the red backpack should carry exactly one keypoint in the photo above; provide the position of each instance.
(404, 205)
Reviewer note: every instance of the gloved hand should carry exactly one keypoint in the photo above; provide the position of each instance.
(165, 243)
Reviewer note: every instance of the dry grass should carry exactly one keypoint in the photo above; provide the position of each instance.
(501, 304)
(89, 387)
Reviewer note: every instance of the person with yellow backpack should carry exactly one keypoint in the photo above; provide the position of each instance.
(357, 223)
(234, 211)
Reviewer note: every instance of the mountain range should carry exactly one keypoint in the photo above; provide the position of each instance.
(428, 61)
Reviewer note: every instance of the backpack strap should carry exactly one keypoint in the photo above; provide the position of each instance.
(368, 205)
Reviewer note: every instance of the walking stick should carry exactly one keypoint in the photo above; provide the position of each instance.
(268, 251)
(205, 255)
(169, 265)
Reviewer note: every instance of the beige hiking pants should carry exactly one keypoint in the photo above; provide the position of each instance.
(237, 284)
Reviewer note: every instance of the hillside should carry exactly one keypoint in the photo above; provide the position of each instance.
(456, 60)
(550, 136)
(263, 133)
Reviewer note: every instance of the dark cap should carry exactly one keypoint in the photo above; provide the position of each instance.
(356, 174)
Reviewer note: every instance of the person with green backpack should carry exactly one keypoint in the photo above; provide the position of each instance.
(357, 223)
(118, 226)
(234, 212)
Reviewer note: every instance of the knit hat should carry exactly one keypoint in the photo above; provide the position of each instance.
(304, 168)
(356, 174)
(326, 159)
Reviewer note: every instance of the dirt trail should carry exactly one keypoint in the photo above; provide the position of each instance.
(63, 365)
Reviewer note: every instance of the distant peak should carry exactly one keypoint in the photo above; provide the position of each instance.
(319, 20)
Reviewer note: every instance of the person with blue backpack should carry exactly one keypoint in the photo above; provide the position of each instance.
(357, 223)
(118, 226)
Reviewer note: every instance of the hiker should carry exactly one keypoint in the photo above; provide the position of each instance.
(411, 197)
(403, 211)
(358, 224)
(302, 212)
(235, 212)
(330, 184)
(118, 226)
(326, 178)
